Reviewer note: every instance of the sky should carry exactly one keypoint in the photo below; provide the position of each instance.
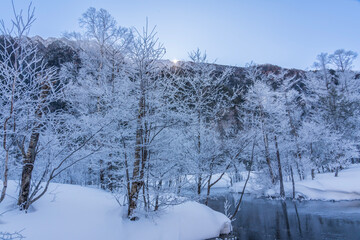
(288, 33)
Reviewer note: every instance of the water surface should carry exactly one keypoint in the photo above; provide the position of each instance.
(261, 218)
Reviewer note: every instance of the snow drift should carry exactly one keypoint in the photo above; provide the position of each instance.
(75, 212)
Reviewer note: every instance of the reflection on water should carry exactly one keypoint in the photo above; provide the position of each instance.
(261, 218)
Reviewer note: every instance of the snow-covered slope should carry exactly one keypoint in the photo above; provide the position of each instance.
(73, 212)
(327, 187)
(324, 187)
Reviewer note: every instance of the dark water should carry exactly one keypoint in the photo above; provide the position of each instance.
(261, 218)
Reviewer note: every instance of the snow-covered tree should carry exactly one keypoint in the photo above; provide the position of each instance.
(99, 87)
(332, 101)
(145, 56)
(203, 98)
(27, 91)
(259, 107)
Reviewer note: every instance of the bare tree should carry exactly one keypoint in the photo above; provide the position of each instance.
(343, 59)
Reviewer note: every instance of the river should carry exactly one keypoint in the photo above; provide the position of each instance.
(261, 218)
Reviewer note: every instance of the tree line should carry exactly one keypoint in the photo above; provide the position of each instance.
(154, 132)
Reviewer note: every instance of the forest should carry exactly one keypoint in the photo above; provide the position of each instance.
(102, 108)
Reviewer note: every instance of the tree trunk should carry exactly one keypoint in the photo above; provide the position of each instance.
(209, 184)
(301, 168)
(6, 165)
(282, 191)
(28, 166)
(298, 152)
(267, 157)
(137, 180)
(157, 196)
(237, 175)
(199, 185)
(199, 154)
(266, 145)
(312, 174)
(5, 180)
(247, 179)
(179, 182)
(144, 197)
(298, 170)
(102, 174)
(293, 181)
(208, 190)
(242, 194)
(127, 174)
(30, 156)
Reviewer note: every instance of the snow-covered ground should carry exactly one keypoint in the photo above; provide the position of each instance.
(73, 212)
(324, 187)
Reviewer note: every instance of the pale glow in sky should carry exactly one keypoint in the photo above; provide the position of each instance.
(289, 33)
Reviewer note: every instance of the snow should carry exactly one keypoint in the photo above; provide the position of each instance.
(225, 181)
(190, 220)
(254, 185)
(75, 212)
(327, 187)
(324, 187)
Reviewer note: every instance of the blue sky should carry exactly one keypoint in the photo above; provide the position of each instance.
(289, 33)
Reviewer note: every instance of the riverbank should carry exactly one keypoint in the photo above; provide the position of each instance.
(75, 212)
(324, 187)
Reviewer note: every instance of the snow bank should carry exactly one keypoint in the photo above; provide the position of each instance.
(324, 187)
(224, 182)
(327, 187)
(75, 212)
(189, 220)
(254, 185)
